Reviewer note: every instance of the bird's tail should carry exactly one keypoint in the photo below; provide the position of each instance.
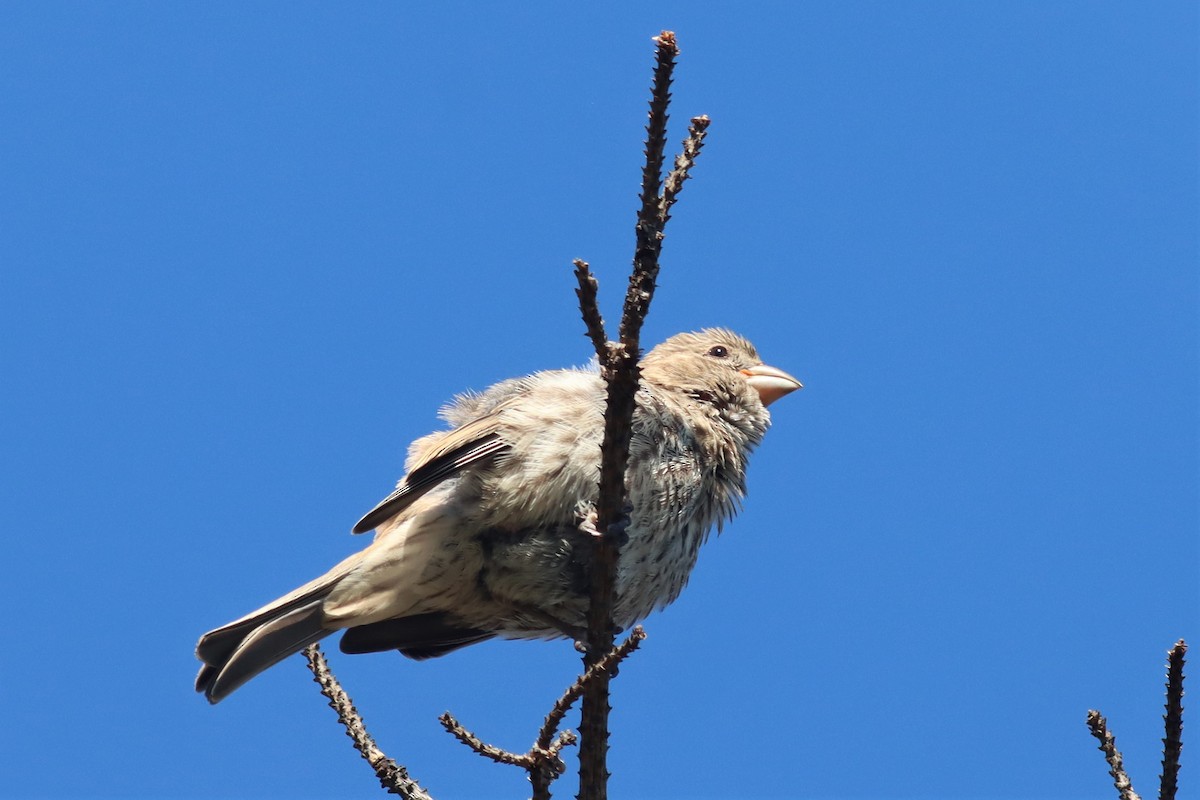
(235, 653)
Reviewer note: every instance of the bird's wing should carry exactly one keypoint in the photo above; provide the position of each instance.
(460, 448)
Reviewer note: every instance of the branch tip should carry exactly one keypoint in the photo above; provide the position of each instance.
(1173, 722)
(1108, 744)
(477, 745)
(589, 307)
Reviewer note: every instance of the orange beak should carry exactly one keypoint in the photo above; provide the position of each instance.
(770, 383)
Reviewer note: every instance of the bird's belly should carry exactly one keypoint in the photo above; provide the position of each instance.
(538, 580)
(653, 570)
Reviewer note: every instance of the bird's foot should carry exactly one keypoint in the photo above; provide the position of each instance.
(586, 518)
(581, 642)
(588, 521)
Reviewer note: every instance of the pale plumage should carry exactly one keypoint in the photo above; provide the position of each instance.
(481, 538)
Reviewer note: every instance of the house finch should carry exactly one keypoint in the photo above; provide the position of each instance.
(482, 537)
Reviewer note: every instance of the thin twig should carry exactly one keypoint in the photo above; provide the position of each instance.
(1116, 767)
(588, 306)
(393, 777)
(684, 162)
(543, 764)
(542, 761)
(472, 741)
(1173, 722)
(575, 691)
(564, 739)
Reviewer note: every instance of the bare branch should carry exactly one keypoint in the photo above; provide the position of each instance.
(684, 162)
(1173, 722)
(564, 739)
(547, 765)
(649, 221)
(586, 293)
(542, 761)
(392, 777)
(605, 665)
(479, 746)
(1116, 767)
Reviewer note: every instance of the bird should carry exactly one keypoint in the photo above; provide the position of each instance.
(485, 535)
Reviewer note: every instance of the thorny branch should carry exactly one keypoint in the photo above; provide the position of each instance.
(1173, 722)
(588, 286)
(1172, 740)
(606, 665)
(619, 367)
(542, 763)
(683, 164)
(500, 756)
(392, 777)
(650, 221)
(542, 760)
(1116, 766)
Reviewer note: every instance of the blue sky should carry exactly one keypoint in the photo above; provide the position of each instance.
(248, 250)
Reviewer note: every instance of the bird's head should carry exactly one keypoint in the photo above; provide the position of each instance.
(715, 365)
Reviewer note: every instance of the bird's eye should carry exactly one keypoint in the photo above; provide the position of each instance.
(718, 352)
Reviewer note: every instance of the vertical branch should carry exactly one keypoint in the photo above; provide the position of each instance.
(619, 368)
(649, 221)
(1173, 722)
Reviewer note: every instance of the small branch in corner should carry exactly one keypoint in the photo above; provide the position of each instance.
(605, 665)
(588, 288)
(684, 162)
(1172, 739)
(392, 777)
(542, 761)
(1116, 765)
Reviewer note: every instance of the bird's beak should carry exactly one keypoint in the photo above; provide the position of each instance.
(770, 383)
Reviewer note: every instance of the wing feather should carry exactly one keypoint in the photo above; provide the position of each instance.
(459, 449)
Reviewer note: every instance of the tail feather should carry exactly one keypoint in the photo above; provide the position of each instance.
(264, 647)
(235, 653)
